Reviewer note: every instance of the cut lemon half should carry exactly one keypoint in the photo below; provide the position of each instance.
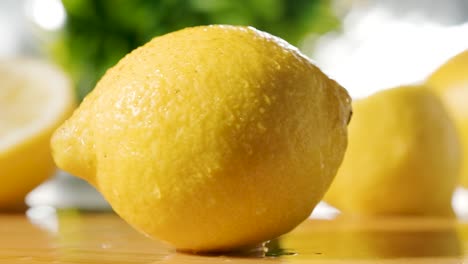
(35, 97)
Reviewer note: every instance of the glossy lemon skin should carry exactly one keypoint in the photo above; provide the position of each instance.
(210, 138)
(403, 156)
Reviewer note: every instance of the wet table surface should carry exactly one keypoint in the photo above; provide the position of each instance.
(48, 236)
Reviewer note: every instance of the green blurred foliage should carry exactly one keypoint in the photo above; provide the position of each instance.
(100, 32)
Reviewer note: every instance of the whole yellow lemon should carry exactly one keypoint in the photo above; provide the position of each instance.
(450, 82)
(403, 156)
(210, 138)
(35, 98)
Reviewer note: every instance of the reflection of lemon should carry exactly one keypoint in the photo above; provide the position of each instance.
(210, 138)
(374, 238)
(34, 98)
(450, 81)
(403, 156)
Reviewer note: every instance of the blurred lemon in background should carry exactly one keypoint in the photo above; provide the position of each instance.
(403, 156)
(210, 138)
(450, 82)
(35, 98)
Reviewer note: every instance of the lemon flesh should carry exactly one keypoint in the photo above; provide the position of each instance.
(403, 156)
(450, 82)
(35, 98)
(210, 138)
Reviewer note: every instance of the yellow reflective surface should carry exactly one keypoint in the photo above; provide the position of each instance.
(47, 236)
